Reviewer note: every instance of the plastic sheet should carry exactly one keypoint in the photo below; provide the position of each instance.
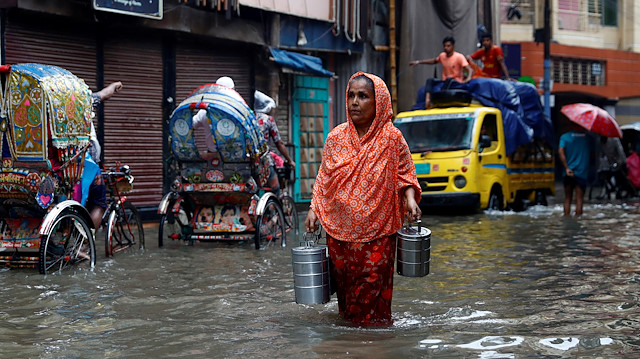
(522, 112)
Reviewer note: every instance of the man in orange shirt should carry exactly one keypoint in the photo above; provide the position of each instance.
(491, 57)
(452, 62)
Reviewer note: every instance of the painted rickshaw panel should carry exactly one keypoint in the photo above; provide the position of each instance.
(36, 93)
(233, 125)
(218, 187)
(45, 111)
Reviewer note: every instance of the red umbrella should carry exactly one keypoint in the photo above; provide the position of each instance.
(593, 118)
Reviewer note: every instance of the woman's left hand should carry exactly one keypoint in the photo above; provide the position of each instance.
(413, 210)
(411, 207)
(311, 222)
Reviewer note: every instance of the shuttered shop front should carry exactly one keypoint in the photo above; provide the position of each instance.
(133, 117)
(48, 41)
(197, 65)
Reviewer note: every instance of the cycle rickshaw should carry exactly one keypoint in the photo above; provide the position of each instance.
(220, 195)
(44, 134)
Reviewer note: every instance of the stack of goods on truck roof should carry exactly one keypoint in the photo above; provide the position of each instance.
(519, 102)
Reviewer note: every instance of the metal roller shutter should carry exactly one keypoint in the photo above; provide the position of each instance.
(197, 65)
(52, 43)
(133, 117)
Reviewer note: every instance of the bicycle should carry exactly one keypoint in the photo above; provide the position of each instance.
(121, 219)
(286, 177)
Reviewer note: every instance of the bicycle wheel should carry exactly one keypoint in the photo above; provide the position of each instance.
(70, 243)
(270, 225)
(171, 225)
(290, 214)
(124, 230)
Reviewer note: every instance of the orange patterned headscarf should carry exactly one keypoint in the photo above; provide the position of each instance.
(357, 191)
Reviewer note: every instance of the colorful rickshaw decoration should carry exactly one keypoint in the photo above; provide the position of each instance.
(218, 188)
(44, 134)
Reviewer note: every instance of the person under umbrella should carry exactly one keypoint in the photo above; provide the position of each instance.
(575, 151)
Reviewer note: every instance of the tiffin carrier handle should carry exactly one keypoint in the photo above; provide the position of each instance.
(310, 239)
(409, 229)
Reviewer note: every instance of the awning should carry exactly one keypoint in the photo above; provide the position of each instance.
(299, 62)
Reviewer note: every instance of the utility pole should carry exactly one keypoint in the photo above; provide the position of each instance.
(546, 84)
(392, 54)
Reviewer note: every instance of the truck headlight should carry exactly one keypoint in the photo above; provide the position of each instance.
(459, 181)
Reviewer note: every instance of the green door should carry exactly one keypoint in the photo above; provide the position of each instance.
(310, 128)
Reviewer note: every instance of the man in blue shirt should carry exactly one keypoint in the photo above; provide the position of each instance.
(575, 152)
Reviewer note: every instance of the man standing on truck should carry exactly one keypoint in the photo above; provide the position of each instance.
(491, 57)
(453, 64)
(575, 152)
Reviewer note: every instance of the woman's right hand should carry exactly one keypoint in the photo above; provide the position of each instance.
(311, 222)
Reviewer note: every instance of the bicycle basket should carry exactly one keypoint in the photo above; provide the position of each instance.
(125, 185)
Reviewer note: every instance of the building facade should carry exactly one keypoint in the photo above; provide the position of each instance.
(595, 53)
(162, 54)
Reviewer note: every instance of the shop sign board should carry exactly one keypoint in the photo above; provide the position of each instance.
(145, 8)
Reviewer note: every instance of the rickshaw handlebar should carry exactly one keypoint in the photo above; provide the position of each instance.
(125, 172)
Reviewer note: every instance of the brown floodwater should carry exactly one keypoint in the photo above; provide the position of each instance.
(502, 285)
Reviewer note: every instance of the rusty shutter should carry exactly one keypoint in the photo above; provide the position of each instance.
(66, 44)
(197, 65)
(133, 117)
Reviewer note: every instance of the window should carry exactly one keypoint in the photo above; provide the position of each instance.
(610, 12)
(489, 127)
(587, 15)
(594, 12)
(578, 71)
(603, 12)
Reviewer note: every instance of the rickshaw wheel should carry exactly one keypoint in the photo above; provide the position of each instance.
(124, 230)
(290, 214)
(270, 225)
(69, 243)
(171, 225)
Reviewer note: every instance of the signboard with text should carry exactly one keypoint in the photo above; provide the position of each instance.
(145, 8)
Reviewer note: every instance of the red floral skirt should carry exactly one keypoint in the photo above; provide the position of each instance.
(362, 277)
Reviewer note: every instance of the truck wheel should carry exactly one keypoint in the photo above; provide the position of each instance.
(495, 199)
(541, 198)
(520, 203)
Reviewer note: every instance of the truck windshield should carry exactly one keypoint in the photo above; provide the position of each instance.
(443, 132)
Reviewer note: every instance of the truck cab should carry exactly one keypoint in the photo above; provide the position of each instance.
(461, 161)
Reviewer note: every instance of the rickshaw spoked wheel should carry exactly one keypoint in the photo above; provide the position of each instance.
(270, 226)
(171, 226)
(70, 243)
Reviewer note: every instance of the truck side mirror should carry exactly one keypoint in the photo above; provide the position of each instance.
(485, 141)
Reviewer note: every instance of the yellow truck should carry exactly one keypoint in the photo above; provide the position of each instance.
(461, 159)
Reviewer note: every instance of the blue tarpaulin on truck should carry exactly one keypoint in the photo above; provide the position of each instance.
(519, 102)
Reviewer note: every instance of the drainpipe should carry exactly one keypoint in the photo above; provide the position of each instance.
(337, 27)
(392, 54)
(350, 37)
(546, 85)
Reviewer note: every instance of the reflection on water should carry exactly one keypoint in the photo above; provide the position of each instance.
(502, 285)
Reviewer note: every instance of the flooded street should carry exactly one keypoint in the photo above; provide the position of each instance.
(502, 285)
